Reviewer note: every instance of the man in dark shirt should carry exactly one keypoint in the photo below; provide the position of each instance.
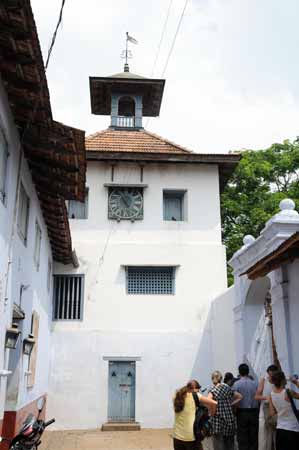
(248, 411)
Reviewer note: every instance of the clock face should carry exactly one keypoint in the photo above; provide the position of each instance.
(125, 203)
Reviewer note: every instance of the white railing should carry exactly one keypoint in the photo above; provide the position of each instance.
(126, 121)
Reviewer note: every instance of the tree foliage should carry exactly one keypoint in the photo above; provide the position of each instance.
(262, 179)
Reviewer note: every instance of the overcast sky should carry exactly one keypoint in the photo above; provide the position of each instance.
(232, 81)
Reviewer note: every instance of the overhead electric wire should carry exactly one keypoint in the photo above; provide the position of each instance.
(162, 37)
(55, 34)
(172, 44)
(26, 127)
(174, 38)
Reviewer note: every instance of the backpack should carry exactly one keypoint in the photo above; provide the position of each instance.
(202, 426)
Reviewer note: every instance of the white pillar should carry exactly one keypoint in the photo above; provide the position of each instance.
(280, 313)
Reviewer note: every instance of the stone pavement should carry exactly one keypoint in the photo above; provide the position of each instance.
(146, 439)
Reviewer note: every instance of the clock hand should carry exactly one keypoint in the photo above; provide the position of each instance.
(124, 198)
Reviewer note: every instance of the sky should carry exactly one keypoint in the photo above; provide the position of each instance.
(232, 81)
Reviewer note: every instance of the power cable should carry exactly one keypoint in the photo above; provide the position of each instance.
(172, 46)
(55, 34)
(162, 37)
(21, 141)
(174, 39)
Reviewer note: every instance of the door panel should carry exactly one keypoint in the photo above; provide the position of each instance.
(121, 398)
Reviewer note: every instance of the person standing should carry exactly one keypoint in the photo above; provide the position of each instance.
(266, 431)
(229, 379)
(224, 421)
(185, 408)
(248, 410)
(287, 431)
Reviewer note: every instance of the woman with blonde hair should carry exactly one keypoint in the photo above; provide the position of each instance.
(224, 424)
(185, 409)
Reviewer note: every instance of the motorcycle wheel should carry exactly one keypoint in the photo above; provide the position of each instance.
(19, 446)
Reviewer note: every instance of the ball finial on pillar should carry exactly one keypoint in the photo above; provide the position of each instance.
(287, 204)
(248, 239)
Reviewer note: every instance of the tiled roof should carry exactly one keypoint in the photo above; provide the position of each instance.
(131, 141)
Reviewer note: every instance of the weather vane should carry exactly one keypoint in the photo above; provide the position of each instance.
(127, 54)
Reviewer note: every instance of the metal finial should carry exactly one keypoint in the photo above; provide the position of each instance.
(127, 54)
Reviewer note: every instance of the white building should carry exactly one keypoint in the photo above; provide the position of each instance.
(34, 227)
(266, 310)
(129, 324)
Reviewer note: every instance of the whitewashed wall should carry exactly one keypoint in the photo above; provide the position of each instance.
(22, 271)
(283, 285)
(166, 332)
(293, 296)
(223, 333)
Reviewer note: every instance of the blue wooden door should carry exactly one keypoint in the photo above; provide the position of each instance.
(121, 398)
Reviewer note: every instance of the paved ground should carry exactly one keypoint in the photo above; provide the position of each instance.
(146, 439)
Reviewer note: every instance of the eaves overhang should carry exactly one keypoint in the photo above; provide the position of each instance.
(226, 162)
(101, 89)
(55, 152)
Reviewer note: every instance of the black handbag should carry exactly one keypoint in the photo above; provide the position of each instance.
(295, 410)
(202, 426)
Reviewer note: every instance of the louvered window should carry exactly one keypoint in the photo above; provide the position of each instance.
(68, 297)
(3, 164)
(150, 280)
(37, 245)
(23, 214)
(173, 205)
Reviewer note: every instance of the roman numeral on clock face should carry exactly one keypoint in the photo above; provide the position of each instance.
(125, 203)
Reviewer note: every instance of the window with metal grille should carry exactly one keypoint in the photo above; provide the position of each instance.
(68, 297)
(150, 280)
(173, 205)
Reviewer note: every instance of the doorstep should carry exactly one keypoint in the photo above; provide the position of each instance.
(121, 426)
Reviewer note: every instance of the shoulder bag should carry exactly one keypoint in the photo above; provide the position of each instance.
(202, 426)
(295, 410)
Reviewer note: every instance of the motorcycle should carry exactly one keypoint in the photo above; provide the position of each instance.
(29, 436)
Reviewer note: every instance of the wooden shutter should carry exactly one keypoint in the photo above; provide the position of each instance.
(33, 356)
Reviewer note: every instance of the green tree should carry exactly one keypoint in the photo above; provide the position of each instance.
(261, 180)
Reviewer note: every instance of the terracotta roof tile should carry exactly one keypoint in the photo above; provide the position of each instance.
(131, 141)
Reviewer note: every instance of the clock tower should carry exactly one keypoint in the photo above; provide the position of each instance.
(148, 243)
(126, 97)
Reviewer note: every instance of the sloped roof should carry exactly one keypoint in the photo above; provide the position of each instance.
(140, 141)
(141, 146)
(55, 152)
(127, 75)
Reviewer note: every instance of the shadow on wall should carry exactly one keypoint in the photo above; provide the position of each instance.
(217, 344)
(203, 361)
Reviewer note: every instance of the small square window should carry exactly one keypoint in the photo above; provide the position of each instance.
(3, 164)
(23, 214)
(37, 245)
(150, 280)
(78, 210)
(173, 205)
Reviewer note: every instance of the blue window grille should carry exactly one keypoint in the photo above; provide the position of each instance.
(68, 297)
(150, 280)
(173, 205)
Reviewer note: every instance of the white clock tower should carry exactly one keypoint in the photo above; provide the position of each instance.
(129, 324)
